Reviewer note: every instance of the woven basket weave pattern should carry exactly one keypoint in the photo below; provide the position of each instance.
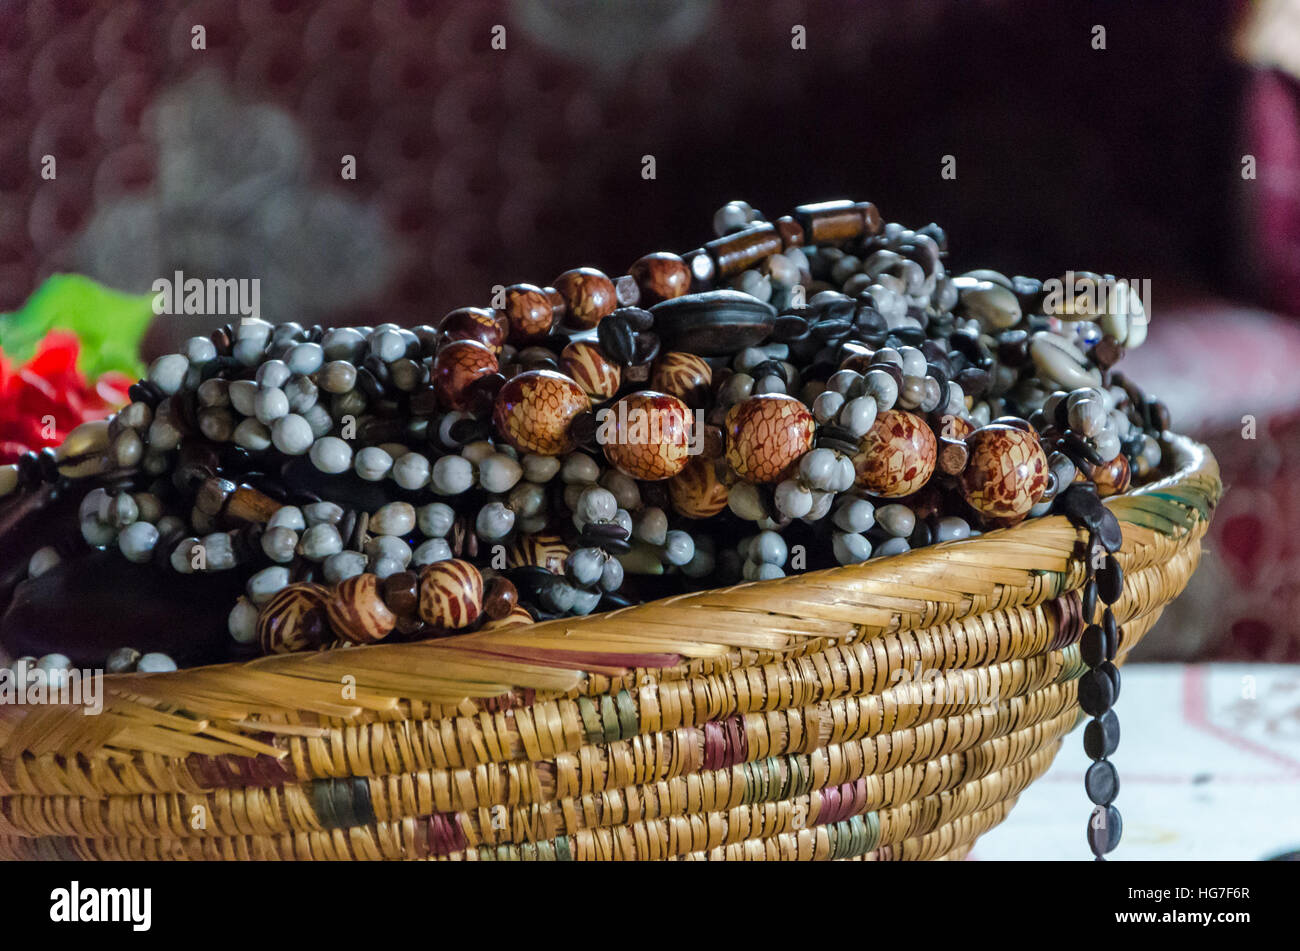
(775, 720)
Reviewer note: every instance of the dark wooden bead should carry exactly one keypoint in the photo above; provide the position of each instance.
(1104, 830)
(871, 220)
(424, 402)
(973, 381)
(143, 391)
(222, 340)
(1111, 672)
(614, 334)
(500, 598)
(1108, 530)
(1092, 645)
(1101, 736)
(1110, 580)
(1107, 352)
(791, 232)
(1013, 347)
(953, 455)
(734, 253)
(1111, 629)
(789, 326)
(1096, 692)
(1101, 782)
(1160, 420)
(1089, 600)
(29, 470)
(832, 222)
(213, 494)
(475, 323)
(660, 276)
(401, 592)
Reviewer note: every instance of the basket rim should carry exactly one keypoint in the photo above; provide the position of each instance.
(1194, 461)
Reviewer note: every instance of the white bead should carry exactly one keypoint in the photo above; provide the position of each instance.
(858, 415)
(679, 547)
(272, 375)
(844, 382)
(54, 662)
(343, 565)
(250, 434)
(846, 474)
(624, 488)
(596, 504)
(499, 473)
(768, 572)
(388, 345)
(96, 533)
(822, 502)
(913, 361)
(388, 546)
(452, 475)
(318, 418)
(137, 542)
(744, 500)
(494, 522)
(383, 567)
(623, 519)
(287, 516)
(219, 551)
(163, 436)
(850, 548)
(292, 435)
(331, 455)
(168, 372)
(770, 548)
(279, 544)
(42, 560)
(893, 546)
(435, 519)
(540, 469)
(373, 464)
(200, 350)
(320, 541)
(896, 519)
(881, 386)
(952, 528)
(155, 663)
(323, 513)
(303, 394)
(792, 499)
(579, 467)
(395, 518)
(243, 396)
(652, 526)
(855, 515)
(435, 549)
(305, 358)
(817, 468)
(270, 405)
(411, 471)
(263, 585)
(476, 452)
(242, 622)
(182, 556)
(527, 499)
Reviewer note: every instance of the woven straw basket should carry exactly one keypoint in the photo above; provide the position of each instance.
(773, 720)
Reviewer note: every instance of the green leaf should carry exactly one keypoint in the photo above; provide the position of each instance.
(109, 323)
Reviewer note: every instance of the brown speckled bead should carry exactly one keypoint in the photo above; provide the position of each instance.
(538, 551)
(295, 619)
(357, 611)
(451, 594)
(1007, 472)
(588, 296)
(766, 435)
(529, 313)
(683, 375)
(535, 410)
(587, 364)
(1112, 477)
(897, 455)
(661, 276)
(647, 435)
(456, 367)
(696, 491)
(475, 323)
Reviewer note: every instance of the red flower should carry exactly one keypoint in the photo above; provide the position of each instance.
(41, 401)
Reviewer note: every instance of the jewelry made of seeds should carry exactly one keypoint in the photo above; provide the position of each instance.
(819, 390)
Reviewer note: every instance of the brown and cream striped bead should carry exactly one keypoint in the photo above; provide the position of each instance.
(451, 594)
(683, 375)
(538, 551)
(296, 619)
(696, 491)
(587, 364)
(357, 611)
(516, 618)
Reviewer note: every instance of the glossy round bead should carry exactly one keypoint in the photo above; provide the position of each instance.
(683, 375)
(660, 276)
(475, 323)
(168, 372)
(1007, 471)
(331, 455)
(1112, 477)
(295, 619)
(357, 611)
(792, 499)
(588, 366)
(897, 455)
(457, 366)
(451, 594)
(766, 436)
(535, 410)
(155, 663)
(529, 313)
(589, 296)
(696, 491)
(647, 435)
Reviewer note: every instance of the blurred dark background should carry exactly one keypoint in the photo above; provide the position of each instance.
(478, 166)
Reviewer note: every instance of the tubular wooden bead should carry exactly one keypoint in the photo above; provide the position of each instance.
(831, 222)
(734, 253)
(247, 504)
(589, 296)
(451, 594)
(357, 611)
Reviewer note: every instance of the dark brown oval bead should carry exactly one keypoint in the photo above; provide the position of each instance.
(1110, 581)
(660, 276)
(500, 598)
(401, 592)
(616, 339)
(213, 495)
(1089, 600)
